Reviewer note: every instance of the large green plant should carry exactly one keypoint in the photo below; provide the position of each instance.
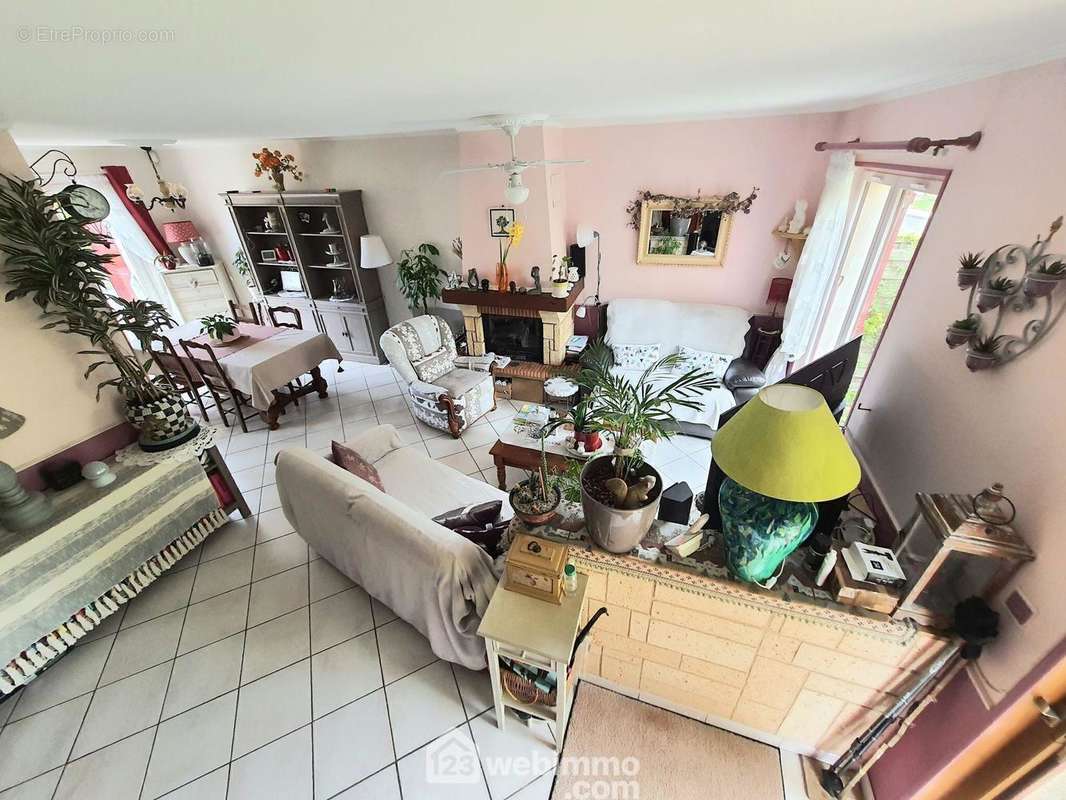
(418, 276)
(50, 259)
(639, 411)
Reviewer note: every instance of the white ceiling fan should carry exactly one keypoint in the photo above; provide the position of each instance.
(516, 193)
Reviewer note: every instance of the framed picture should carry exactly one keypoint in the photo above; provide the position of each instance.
(268, 255)
(500, 222)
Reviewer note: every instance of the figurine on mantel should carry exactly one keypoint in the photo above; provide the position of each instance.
(534, 273)
(799, 217)
(485, 284)
(454, 280)
(471, 279)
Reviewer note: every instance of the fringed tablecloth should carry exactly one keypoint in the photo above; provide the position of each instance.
(101, 548)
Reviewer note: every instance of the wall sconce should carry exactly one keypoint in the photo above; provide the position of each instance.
(172, 195)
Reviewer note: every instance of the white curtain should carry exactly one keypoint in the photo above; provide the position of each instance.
(146, 280)
(817, 266)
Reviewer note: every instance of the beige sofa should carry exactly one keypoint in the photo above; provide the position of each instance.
(388, 543)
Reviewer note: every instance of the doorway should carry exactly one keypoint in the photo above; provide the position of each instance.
(891, 207)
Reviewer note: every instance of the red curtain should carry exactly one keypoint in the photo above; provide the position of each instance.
(119, 177)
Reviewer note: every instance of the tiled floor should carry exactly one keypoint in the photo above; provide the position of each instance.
(254, 669)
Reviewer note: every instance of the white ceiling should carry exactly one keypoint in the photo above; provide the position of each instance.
(270, 69)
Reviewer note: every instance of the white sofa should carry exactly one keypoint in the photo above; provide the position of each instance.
(388, 543)
(706, 327)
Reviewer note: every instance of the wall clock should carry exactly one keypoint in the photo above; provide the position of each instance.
(84, 203)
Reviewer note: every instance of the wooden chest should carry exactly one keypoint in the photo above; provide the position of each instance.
(534, 567)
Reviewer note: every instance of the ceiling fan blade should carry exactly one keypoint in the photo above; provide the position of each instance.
(543, 162)
(482, 168)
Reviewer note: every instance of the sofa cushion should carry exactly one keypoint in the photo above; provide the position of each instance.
(430, 368)
(712, 328)
(348, 459)
(714, 363)
(430, 487)
(635, 356)
(460, 381)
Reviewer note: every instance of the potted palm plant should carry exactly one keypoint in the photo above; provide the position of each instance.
(970, 269)
(1043, 280)
(50, 259)
(418, 276)
(994, 294)
(620, 492)
(962, 331)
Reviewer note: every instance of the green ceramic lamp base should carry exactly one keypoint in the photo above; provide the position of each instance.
(761, 532)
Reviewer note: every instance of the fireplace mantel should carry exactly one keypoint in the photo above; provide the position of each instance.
(554, 312)
(523, 300)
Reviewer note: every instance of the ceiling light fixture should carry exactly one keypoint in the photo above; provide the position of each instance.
(172, 195)
(515, 193)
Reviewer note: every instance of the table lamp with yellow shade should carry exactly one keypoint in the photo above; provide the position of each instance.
(782, 452)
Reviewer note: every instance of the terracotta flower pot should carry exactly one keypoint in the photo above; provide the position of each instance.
(987, 299)
(958, 336)
(968, 277)
(1040, 285)
(976, 362)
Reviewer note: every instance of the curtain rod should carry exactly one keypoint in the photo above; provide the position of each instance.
(919, 144)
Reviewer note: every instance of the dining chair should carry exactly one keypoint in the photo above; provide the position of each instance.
(218, 383)
(174, 369)
(274, 311)
(248, 312)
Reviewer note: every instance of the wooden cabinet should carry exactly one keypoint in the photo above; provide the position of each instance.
(197, 291)
(311, 240)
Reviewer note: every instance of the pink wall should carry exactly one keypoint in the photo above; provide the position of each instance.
(774, 153)
(935, 426)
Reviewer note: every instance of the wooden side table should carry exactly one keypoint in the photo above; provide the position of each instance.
(506, 455)
(537, 633)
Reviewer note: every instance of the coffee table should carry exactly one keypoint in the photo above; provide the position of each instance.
(527, 457)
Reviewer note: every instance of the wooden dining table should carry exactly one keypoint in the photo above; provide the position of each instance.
(263, 360)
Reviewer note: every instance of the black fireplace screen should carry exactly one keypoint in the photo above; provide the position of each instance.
(521, 338)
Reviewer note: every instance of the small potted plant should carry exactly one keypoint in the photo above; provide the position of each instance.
(536, 498)
(983, 353)
(219, 328)
(1043, 280)
(962, 331)
(970, 269)
(560, 275)
(994, 294)
(583, 418)
(274, 164)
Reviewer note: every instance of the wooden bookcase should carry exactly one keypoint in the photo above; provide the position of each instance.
(355, 324)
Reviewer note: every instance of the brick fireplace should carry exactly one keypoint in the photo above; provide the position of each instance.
(554, 313)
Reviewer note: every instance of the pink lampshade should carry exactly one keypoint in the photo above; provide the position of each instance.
(176, 232)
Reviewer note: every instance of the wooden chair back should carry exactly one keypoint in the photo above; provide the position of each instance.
(274, 311)
(168, 361)
(240, 314)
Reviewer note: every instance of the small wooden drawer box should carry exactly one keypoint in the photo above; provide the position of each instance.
(534, 567)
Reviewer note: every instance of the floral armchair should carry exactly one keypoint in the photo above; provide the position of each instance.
(445, 396)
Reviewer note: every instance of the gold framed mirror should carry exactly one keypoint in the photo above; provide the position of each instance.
(681, 234)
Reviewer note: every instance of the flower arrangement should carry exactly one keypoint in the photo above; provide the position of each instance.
(274, 164)
(514, 237)
(688, 207)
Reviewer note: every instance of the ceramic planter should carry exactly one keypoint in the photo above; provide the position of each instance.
(618, 530)
(226, 339)
(163, 423)
(969, 277)
(976, 362)
(530, 518)
(987, 299)
(1038, 284)
(560, 289)
(959, 336)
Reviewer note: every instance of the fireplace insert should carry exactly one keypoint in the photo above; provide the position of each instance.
(521, 338)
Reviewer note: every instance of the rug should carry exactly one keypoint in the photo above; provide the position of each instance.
(614, 740)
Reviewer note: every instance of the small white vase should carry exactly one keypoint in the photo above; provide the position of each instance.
(560, 289)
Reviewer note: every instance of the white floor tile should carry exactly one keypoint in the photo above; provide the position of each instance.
(39, 743)
(214, 619)
(210, 787)
(344, 673)
(119, 709)
(73, 675)
(352, 743)
(339, 617)
(281, 769)
(270, 499)
(269, 474)
(168, 593)
(252, 457)
(222, 574)
(240, 442)
(325, 436)
(204, 674)
(382, 613)
(458, 747)
(482, 457)
(357, 407)
(439, 448)
(248, 479)
(463, 462)
(327, 579)
(236, 535)
(284, 434)
(475, 689)
(272, 707)
(532, 742)
(190, 745)
(480, 435)
(398, 419)
(113, 773)
(384, 785)
(272, 524)
(540, 789)
(387, 389)
(278, 555)
(143, 646)
(112, 623)
(275, 644)
(40, 788)
(403, 650)
(387, 405)
(423, 706)
(279, 594)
